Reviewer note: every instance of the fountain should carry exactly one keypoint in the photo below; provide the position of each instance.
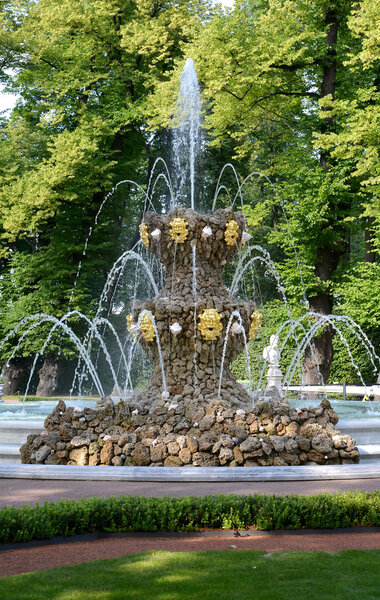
(193, 411)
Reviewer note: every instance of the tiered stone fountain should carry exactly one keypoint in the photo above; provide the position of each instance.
(193, 412)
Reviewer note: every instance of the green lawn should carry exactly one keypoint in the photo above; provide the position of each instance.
(224, 575)
(32, 398)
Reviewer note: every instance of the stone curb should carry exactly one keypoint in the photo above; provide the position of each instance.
(184, 474)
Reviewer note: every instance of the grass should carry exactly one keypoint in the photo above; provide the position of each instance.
(20, 397)
(219, 575)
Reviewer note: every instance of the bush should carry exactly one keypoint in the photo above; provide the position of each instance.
(140, 513)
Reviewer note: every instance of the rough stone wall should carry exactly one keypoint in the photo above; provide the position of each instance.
(189, 433)
(192, 364)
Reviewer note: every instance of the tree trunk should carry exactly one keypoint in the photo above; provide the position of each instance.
(49, 375)
(319, 354)
(15, 372)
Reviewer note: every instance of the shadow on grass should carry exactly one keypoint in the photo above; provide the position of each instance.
(221, 575)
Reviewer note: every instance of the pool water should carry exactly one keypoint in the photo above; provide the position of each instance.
(36, 410)
(349, 409)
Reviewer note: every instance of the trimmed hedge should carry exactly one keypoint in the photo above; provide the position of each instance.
(140, 513)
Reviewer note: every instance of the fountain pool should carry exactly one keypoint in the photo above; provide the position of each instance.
(32, 411)
(349, 409)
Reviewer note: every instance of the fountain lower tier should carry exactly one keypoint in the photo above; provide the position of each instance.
(200, 327)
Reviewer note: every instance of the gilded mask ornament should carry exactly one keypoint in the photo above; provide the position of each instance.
(131, 325)
(209, 324)
(178, 230)
(147, 328)
(143, 229)
(256, 319)
(232, 232)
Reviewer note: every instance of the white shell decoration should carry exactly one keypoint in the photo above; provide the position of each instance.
(156, 234)
(206, 232)
(236, 328)
(175, 328)
(245, 237)
(165, 395)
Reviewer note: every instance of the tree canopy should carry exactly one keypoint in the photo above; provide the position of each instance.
(290, 90)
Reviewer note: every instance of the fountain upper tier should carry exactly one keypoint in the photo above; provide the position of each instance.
(211, 245)
(182, 230)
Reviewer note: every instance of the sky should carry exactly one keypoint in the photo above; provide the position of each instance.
(7, 101)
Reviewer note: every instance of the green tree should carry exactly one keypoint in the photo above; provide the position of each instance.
(282, 79)
(84, 72)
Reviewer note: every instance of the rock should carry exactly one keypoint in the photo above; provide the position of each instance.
(238, 432)
(291, 445)
(42, 453)
(250, 444)
(206, 442)
(303, 442)
(192, 443)
(185, 455)
(226, 441)
(173, 461)
(292, 429)
(93, 459)
(173, 448)
(206, 423)
(254, 426)
(106, 453)
(316, 457)
(238, 455)
(80, 440)
(26, 453)
(322, 443)
(310, 430)
(79, 455)
(277, 443)
(140, 455)
(225, 455)
(158, 452)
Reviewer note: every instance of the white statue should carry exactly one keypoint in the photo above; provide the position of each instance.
(272, 354)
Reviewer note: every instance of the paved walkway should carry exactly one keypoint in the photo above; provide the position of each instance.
(15, 492)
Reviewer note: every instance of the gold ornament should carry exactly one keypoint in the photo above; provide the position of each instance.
(256, 319)
(143, 229)
(178, 231)
(147, 328)
(210, 325)
(232, 232)
(131, 325)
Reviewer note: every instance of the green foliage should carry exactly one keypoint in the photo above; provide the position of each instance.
(84, 73)
(275, 314)
(139, 513)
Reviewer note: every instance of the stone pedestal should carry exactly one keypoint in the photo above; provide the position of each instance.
(275, 380)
